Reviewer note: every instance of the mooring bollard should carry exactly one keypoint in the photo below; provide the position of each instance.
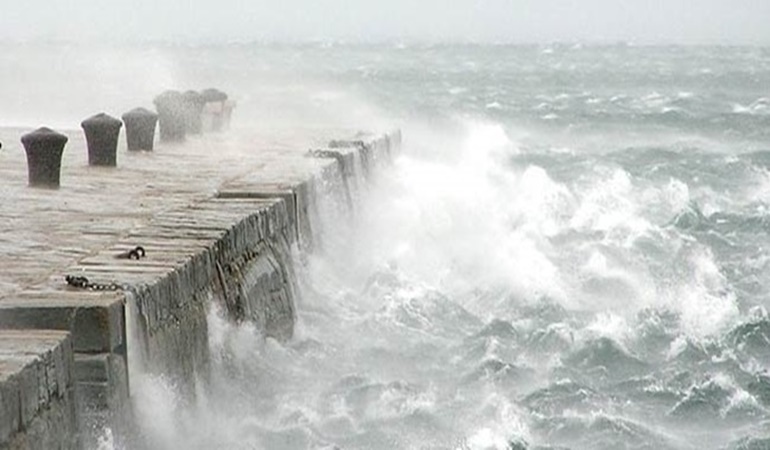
(171, 115)
(140, 129)
(215, 107)
(227, 113)
(44, 148)
(102, 133)
(194, 104)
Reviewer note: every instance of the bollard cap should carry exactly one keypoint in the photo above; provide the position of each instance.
(194, 97)
(101, 120)
(168, 97)
(44, 134)
(213, 95)
(140, 113)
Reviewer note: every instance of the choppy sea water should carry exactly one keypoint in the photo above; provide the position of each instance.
(572, 251)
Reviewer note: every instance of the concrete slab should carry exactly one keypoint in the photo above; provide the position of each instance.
(95, 321)
(36, 382)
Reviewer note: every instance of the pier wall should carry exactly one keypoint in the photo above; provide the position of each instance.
(235, 246)
(36, 391)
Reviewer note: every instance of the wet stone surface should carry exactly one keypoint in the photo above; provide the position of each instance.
(218, 207)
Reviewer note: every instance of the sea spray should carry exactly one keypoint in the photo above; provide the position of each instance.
(583, 266)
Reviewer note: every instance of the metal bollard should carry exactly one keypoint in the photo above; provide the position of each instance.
(44, 148)
(170, 106)
(140, 129)
(194, 104)
(215, 106)
(102, 133)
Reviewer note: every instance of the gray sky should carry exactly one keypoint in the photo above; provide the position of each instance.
(643, 21)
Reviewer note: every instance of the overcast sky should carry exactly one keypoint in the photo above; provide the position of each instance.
(642, 21)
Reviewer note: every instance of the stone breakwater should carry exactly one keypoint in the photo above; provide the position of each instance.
(219, 217)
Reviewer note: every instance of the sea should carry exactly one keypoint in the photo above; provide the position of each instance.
(571, 250)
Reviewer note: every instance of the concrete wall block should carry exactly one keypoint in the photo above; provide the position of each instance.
(313, 230)
(92, 368)
(261, 278)
(10, 408)
(29, 392)
(227, 244)
(99, 329)
(165, 293)
(217, 253)
(118, 378)
(177, 290)
(146, 317)
(94, 328)
(177, 342)
(303, 227)
(68, 367)
(49, 383)
(255, 230)
(43, 390)
(249, 230)
(102, 381)
(181, 287)
(54, 428)
(183, 282)
(263, 225)
(272, 225)
(37, 408)
(59, 381)
(93, 396)
(242, 238)
(202, 270)
(180, 350)
(239, 243)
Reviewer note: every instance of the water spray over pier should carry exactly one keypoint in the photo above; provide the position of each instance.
(112, 267)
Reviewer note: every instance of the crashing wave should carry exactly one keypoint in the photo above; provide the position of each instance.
(562, 396)
(692, 218)
(601, 432)
(717, 400)
(752, 339)
(606, 359)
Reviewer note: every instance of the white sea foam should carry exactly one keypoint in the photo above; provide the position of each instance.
(566, 233)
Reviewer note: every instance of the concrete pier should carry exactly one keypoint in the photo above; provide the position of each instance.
(36, 391)
(218, 217)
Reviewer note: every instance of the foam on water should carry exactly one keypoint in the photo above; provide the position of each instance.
(571, 252)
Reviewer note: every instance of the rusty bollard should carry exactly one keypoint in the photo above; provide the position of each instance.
(194, 104)
(44, 148)
(102, 133)
(215, 107)
(171, 115)
(140, 129)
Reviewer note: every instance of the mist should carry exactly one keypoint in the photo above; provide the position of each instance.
(569, 251)
(515, 21)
